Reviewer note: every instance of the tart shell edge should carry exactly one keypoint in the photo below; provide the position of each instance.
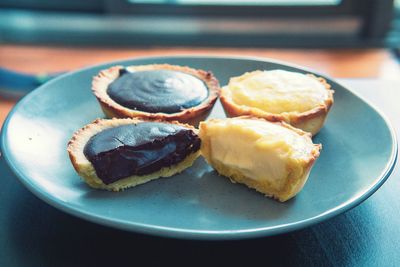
(310, 121)
(86, 170)
(191, 115)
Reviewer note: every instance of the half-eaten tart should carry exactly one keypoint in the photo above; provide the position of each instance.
(272, 157)
(302, 100)
(120, 153)
(158, 91)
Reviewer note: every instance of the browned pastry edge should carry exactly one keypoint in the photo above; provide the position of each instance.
(85, 169)
(294, 181)
(191, 115)
(309, 121)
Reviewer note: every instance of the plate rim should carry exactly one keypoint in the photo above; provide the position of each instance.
(190, 233)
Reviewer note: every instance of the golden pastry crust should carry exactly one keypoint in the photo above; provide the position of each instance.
(293, 183)
(191, 115)
(310, 121)
(86, 170)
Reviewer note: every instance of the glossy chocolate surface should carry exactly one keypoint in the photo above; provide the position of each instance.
(139, 149)
(164, 91)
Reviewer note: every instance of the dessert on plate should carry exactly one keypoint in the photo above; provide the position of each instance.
(120, 153)
(302, 100)
(272, 157)
(158, 91)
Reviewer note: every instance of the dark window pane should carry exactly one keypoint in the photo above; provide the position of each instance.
(241, 2)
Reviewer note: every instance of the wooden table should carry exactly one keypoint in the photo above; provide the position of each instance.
(343, 63)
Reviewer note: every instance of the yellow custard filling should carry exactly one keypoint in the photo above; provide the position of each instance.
(277, 91)
(258, 149)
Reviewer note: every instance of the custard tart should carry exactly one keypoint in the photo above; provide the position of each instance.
(302, 100)
(158, 91)
(272, 157)
(120, 153)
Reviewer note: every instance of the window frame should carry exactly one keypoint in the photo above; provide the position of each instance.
(373, 15)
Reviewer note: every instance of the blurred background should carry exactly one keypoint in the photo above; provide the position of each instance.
(40, 39)
(255, 23)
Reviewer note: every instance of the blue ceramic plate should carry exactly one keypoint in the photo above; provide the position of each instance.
(359, 151)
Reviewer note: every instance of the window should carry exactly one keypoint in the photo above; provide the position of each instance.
(267, 23)
(240, 2)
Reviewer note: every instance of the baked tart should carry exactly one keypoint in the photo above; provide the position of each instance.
(159, 91)
(272, 157)
(120, 153)
(302, 100)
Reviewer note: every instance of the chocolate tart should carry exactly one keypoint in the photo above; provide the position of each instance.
(158, 91)
(120, 153)
(302, 100)
(272, 157)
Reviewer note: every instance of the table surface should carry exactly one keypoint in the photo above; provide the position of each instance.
(33, 233)
(338, 63)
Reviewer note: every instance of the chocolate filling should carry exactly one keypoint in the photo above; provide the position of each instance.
(164, 91)
(139, 149)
